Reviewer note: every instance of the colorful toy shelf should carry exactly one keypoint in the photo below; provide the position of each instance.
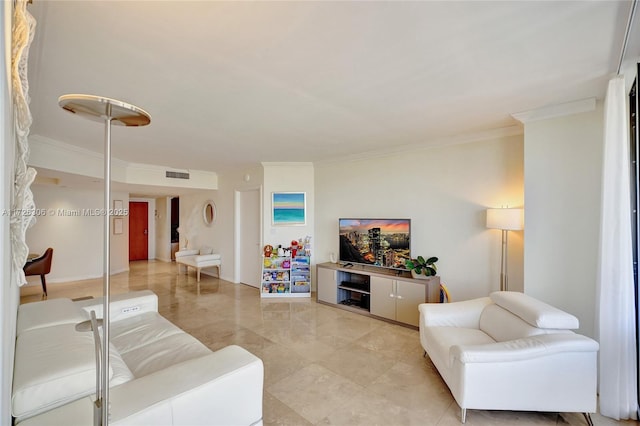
(285, 276)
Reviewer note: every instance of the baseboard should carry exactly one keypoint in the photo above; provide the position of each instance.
(210, 273)
(35, 281)
(36, 288)
(164, 260)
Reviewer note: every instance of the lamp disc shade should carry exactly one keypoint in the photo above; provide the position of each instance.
(506, 219)
(99, 108)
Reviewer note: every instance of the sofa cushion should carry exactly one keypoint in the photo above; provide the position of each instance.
(206, 250)
(47, 313)
(163, 353)
(207, 257)
(54, 365)
(535, 312)
(140, 330)
(502, 325)
(149, 342)
(187, 252)
(121, 373)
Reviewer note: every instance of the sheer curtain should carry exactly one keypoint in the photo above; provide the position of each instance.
(615, 287)
(22, 205)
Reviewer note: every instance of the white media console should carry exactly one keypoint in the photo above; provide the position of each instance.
(378, 292)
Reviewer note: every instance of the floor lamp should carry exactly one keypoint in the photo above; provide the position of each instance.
(109, 111)
(506, 220)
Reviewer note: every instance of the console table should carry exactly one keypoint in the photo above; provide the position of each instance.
(383, 293)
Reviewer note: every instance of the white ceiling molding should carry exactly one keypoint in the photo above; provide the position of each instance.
(287, 164)
(483, 135)
(554, 111)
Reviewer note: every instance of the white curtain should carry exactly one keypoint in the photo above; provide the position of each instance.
(616, 307)
(22, 205)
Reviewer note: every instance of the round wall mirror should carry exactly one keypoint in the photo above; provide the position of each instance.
(209, 213)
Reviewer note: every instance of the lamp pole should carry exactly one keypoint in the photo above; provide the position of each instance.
(99, 108)
(504, 281)
(505, 219)
(106, 277)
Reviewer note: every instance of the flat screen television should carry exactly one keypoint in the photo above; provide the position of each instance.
(378, 242)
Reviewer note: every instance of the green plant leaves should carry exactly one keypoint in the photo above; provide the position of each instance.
(420, 265)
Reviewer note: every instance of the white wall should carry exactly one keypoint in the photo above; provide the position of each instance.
(192, 226)
(75, 236)
(163, 229)
(563, 167)
(288, 177)
(445, 192)
(220, 235)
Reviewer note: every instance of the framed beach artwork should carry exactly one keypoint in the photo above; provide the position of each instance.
(288, 208)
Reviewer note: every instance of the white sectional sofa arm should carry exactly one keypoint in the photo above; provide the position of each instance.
(223, 388)
(523, 349)
(458, 314)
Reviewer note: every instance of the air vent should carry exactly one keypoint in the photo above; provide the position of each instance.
(177, 175)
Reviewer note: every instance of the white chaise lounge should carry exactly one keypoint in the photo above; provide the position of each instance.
(198, 259)
(510, 351)
(160, 375)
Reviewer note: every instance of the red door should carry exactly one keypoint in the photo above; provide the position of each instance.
(138, 230)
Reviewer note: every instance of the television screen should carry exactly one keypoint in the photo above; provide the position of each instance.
(377, 242)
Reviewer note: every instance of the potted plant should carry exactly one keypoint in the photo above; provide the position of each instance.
(421, 268)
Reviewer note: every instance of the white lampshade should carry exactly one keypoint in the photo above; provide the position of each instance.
(507, 219)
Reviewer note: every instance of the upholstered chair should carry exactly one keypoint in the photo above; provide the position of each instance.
(40, 266)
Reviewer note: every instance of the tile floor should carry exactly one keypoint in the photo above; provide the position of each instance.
(323, 365)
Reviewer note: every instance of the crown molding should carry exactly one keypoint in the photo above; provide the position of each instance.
(39, 139)
(460, 139)
(557, 110)
(286, 164)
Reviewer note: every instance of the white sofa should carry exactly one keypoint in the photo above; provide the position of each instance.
(198, 259)
(159, 375)
(510, 351)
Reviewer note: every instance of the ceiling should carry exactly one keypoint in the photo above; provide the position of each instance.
(231, 84)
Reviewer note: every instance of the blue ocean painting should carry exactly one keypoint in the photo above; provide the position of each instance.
(288, 208)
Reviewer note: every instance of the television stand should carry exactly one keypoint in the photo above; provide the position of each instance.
(391, 295)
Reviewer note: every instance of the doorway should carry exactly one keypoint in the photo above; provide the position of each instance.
(248, 241)
(138, 230)
(175, 224)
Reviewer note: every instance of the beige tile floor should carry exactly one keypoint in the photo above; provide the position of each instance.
(323, 365)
